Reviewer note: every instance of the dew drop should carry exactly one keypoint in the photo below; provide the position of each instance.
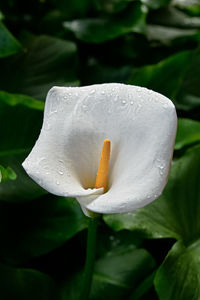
(57, 182)
(84, 107)
(131, 102)
(60, 172)
(47, 126)
(165, 105)
(92, 92)
(123, 102)
(102, 92)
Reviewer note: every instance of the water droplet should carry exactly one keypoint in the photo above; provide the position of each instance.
(92, 92)
(102, 92)
(57, 182)
(47, 126)
(165, 105)
(123, 102)
(84, 107)
(43, 163)
(131, 102)
(148, 197)
(54, 106)
(60, 172)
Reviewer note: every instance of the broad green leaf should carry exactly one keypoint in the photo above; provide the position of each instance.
(173, 17)
(176, 214)
(116, 274)
(7, 174)
(8, 44)
(47, 62)
(119, 272)
(37, 227)
(23, 284)
(72, 8)
(17, 99)
(143, 291)
(155, 4)
(20, 129)
(166, 76)
(179, 276)
(190, 7)
(189, 93)
(171, 35)
(98, 30)
(111, 6)
(188, 133)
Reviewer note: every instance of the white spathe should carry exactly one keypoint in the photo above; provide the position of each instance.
(141, 125)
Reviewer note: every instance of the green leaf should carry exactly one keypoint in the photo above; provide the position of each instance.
(7, 174)
(188, 133)
(99, 30)
(190, 7)
(25, 284)
(17, 99)
(37, 227)
(21, 127)
(155, 4)
(47, 62)
(166, 76)
(8, 44)
(176, 214)
(172, 17)
(189, 93)
(119, 272)
(171, 35)
(179, 276)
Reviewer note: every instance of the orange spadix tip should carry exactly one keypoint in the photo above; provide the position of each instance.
(102, 174)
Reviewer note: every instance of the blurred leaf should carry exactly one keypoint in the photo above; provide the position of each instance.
(176, 214)
(143, 288)
(37, 227)
(179, 276)
(25, 284)
(119, 272)
(99, 73)
(173, 17)
(17, 99)
(168, 35)
(188, 133)
(8, 44)
(191, 7)
(72, 8)
(166, 76)
(47, 62)
(7, 174)
(20, 129)
(189, 93)
(98, 30)
(155, 4)
(112, 6)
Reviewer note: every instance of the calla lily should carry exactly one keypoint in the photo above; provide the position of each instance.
(141, 125)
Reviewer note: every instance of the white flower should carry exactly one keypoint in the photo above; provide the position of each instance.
(141, 125)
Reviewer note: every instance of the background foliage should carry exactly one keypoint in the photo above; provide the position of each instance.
(152, 253)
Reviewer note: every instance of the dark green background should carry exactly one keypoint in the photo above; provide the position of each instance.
(152, 253)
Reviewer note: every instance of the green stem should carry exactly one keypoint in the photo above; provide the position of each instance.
(90, 258)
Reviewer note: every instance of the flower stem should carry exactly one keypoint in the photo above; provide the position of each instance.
(90, 258)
